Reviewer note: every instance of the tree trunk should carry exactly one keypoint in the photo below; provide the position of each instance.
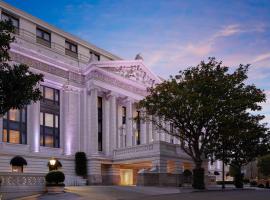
(198, 176)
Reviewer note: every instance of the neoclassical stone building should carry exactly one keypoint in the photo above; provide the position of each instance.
(89, 104)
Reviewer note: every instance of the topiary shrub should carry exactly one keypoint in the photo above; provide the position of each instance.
(55, 178)
(198, 179)
(81, 164)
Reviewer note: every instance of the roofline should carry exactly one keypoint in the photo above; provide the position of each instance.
(56, 30)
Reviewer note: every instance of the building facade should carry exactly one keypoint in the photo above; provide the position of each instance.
(89, 102)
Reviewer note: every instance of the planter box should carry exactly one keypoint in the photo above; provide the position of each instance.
(55, 189)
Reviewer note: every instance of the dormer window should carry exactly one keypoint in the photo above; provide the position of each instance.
(43, 37)
(71, 49)
(13, 19)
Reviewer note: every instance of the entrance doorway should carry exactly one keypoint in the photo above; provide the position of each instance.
(126, 177)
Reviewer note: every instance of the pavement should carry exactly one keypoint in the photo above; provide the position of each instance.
(152, 193)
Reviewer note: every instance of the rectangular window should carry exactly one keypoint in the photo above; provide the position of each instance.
(94, 56)
(13, 19)
(138, 133)
(49, 118)
(43, 37)
(100, 123)
(50, 94)
(71, 49)
(49, 130)
(14, 126)
(124, 115)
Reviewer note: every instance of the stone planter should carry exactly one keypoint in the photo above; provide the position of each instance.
(55, 189)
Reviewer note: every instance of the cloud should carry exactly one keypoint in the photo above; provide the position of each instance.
(261, 57)
(228, 31)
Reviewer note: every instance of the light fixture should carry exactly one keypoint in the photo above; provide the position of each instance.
(52, 161)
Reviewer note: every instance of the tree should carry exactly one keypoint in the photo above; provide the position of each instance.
(195, 102)
(264, 165)
(17, 82)
(243, 139)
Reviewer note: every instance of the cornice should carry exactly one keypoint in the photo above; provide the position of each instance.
(95, 74)
(56, 30)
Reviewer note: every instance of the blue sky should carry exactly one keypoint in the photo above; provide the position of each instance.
(170, 35)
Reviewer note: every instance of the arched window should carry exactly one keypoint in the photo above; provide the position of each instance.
(17, 164)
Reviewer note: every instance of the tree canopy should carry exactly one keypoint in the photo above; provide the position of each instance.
(18, 85)
(199, 101)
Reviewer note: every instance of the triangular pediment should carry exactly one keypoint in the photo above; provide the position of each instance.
(134, 70)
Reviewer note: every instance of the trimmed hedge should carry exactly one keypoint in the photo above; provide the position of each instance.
(81, 164)
(226, 182)
(55, 177)
(253, 183)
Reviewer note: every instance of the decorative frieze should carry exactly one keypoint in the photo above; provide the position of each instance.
(97, 75)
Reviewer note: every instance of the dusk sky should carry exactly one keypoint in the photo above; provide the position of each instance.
(170, 35)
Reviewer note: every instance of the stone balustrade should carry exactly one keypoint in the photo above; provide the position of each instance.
(13, 185)
(149, 150)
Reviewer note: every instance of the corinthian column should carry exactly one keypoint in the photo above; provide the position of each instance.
(113, 135)
(143, 127)
(93, 115)
(129, 123)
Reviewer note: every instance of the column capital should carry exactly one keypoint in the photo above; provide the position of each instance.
(91, 89)
(109, 94)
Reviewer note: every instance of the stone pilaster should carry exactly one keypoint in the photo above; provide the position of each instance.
(34, 126)
(113, 114)
(84, 122)
(129, 121)
(65, 114)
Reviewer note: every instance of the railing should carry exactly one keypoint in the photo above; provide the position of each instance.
(134, 149)
(57, 48)
(21, 179)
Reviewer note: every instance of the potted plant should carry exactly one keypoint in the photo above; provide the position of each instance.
(55, 181)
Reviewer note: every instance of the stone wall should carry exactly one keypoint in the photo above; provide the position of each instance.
(159, 179)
